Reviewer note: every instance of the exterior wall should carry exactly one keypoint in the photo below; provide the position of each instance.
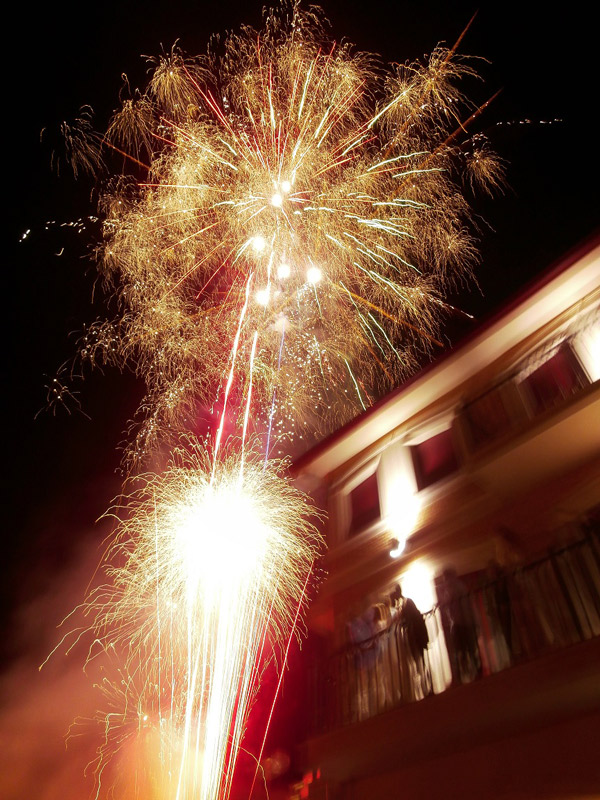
(506, 499)
(522, 733)
(524, 483)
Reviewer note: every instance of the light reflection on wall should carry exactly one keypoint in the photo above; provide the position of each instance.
(417, 583)
(400, 502)
(587, 345)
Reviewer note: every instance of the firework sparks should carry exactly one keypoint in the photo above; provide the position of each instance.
(333, 183)
(208, 573)
(299, 214)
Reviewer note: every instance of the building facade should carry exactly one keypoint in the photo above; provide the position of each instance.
(456, 638)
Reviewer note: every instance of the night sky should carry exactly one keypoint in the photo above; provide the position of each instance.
(61, 469)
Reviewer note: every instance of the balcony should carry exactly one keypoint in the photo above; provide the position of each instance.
(520, 615)
(515, 706)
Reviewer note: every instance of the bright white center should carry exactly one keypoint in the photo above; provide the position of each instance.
(285, 186)
(258, 244)
(262, 296)
(283, 271)
(314, 275)
(220, 539)
(277, 200)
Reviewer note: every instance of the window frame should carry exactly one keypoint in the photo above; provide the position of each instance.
(425, 480)
(343, 502)
(533, 400)
(444, 422)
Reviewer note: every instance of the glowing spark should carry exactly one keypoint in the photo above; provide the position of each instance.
(283, 271)
(258, 244)
(314, 275)
(262, 296)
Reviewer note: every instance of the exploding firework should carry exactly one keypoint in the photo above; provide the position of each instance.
(208, 576)
(76, 145)
(293, 214)
(290, 177)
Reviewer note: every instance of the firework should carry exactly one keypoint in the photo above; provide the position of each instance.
(292, 215)
(76, 145)
(292, 168)
(208, 576)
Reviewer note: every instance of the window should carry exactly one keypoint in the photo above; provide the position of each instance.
(587, 346)
(364, 505)
(559, 377)
(489, 416)
(434, 459)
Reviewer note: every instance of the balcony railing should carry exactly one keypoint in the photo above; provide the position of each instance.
(522, 614)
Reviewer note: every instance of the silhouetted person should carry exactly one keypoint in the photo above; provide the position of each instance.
(415, 628)
(464, 655)
(363, 655)
(498, 588)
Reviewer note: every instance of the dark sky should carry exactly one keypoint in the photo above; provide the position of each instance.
(62, 469)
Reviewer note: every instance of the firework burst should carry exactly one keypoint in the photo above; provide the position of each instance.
(292, 169)
(208, 576)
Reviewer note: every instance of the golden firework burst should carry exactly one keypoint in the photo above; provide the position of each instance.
(292, 170)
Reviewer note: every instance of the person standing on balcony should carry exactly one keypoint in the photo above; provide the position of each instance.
(417, 639)
(362, 657)
(456, 606)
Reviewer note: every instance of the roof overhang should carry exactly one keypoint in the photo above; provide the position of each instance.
(570, 281)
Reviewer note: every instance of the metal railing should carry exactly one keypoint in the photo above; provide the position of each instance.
(520, 615)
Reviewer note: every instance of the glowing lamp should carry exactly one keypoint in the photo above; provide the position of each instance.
(397, 548)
